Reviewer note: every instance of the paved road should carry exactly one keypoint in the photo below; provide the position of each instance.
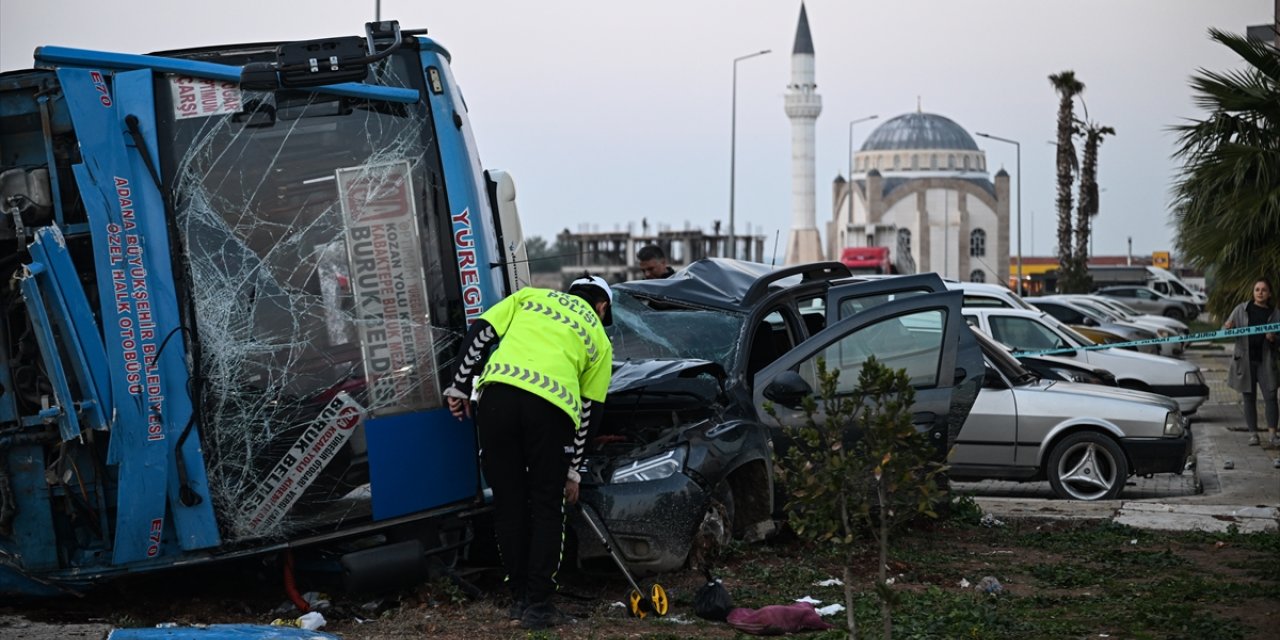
(1214, 497)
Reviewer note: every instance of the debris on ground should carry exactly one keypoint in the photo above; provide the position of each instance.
(990, 586)
(830, 610)
(989, 520)
(310, 621)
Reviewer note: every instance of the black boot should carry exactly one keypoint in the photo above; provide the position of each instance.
(541, 615)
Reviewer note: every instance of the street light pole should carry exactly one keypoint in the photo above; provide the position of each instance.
(733, 147)
(1018, 149)
(850, 176)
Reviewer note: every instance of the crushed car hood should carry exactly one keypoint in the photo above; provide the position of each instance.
(637, 374)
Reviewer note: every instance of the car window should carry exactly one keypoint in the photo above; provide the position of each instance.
(813, 311)
(1061, 312)
(1120, 293)
(769, 341)
(1024, 333)
(912, 342)
(1145, 295)
(1160, 286)
(971, 320)
(857, 304)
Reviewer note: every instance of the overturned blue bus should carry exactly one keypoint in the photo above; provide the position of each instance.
(235, 275)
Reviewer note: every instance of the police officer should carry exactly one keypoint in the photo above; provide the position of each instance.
(539, 391)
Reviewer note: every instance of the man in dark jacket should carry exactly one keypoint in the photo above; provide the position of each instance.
(653, 263)
(539, 391)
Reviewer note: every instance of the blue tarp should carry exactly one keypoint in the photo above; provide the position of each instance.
(221, 632)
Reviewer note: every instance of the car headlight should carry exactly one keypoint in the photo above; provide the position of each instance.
(1193, 377)
(1163, 333)
(1173, 424)
(652, 468)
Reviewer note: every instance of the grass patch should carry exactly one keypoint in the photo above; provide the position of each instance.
(1061, 579)
(1064, 576)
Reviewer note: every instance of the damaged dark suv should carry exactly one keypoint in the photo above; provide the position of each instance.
(683, 460)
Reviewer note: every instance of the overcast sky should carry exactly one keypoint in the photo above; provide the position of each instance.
(610, 112)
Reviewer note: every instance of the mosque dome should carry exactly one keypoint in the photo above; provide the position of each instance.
(919, 131)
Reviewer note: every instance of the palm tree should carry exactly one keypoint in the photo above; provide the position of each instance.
(1068, 88)
(1227, 196)
(1087, 205)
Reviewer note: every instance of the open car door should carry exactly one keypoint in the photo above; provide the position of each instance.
(924, 334)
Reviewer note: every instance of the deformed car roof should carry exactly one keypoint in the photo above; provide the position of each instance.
(725, 283)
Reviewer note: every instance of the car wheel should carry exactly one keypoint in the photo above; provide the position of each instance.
(1087, 466)
(715, 532)
(1176, 314)
(722, 507)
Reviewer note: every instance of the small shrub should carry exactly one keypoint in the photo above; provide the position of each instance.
(863, 465)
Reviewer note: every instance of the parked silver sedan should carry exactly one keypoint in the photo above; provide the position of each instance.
(1085, 439)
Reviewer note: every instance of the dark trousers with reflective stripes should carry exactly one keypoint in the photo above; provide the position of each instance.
(523, 440)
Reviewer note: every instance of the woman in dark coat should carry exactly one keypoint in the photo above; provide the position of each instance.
(1254, 361)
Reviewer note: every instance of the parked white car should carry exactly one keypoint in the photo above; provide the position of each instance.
(1152, 301)
(1084, 439)
(978, 294)
(1037, 331)
(1133, 314)
(1106, 317)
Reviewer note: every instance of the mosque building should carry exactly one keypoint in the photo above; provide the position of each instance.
(919, 186)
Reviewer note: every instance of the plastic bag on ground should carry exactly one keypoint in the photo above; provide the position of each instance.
(712, 601)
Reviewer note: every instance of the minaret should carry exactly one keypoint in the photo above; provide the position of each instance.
(803, 106)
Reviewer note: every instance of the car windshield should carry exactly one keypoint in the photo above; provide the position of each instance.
(1177, 288)
(1120, 306)
(1097, 311)
(640, 332)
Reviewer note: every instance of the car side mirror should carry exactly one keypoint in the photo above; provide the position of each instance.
(992, 380)
(788, 390)
(1090, 322)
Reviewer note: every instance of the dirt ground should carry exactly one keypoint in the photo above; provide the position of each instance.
(929, 564)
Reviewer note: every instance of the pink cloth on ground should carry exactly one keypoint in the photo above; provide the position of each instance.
(777, 619)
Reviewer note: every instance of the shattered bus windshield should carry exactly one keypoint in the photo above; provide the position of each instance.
(306, 237)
